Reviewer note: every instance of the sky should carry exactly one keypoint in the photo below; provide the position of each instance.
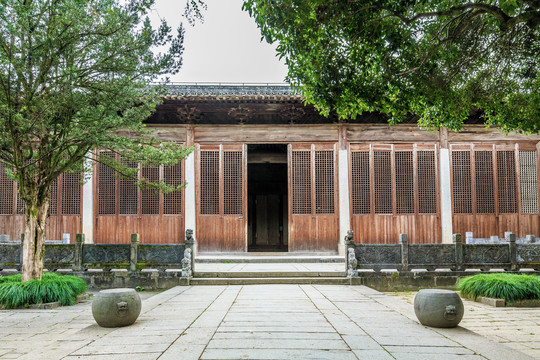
(227, 47)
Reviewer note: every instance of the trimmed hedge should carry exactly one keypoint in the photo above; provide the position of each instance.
(51, 288)
(510, 287)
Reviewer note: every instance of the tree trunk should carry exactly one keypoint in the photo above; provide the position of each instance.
(34, 240)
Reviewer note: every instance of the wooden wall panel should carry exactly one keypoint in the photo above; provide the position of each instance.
(509, 222)
(173, 133)
(105, 231)
(529, 224)
(428, 229)
(264, 133)
(302, 234)
(382, 132)
(475, 133)
(327, 232)
(484, 225)
(12, 225)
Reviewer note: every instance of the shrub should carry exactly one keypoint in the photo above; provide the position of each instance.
(51, 288)
(510, 287)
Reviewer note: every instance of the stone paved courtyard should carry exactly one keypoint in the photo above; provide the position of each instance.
(249, 322)
(518, 328)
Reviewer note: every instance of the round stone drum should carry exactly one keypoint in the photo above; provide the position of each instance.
(116, 307)
(438, 308)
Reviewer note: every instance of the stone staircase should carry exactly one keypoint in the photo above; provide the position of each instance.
(264, 268)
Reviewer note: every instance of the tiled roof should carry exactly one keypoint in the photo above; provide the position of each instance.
(222, 91)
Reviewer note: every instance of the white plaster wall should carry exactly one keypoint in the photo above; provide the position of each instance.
(446, 197)
(88, 206)
(343, 187)
(189, 193)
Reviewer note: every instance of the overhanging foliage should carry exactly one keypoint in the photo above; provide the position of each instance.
(441, 60)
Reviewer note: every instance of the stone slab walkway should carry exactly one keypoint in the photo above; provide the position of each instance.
(249, 322)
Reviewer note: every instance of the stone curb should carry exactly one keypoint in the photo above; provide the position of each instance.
(502, 303)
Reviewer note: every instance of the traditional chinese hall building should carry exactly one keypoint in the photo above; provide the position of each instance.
(270, 174)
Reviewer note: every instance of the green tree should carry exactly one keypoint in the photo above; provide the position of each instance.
(73, 74)
(438, 59)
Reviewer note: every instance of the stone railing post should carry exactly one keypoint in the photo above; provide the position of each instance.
(458, 248)
(511, 240)
(351, 263)
(404, 242)
(79, 243)
(21, 253)
(133, 253)
(190, 244)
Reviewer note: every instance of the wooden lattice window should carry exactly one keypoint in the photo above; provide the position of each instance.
(497, 187)
(150, 197)
(528, 175)
(382, 174)
(71, 194)
(209, 189)
(485, 198)
(106, 188)
(427, 182)
(360, 182)
(20, 203)
(128, 193)
(324, 182)
(506, 181)
(172, 202)
(382, 163)
(53, 203)
(301, 182)
(113, 189)
(404, 182)
(232, 183)
(461, 179)
(6, 192)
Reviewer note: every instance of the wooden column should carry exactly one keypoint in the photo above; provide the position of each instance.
(343, 189)
(189, 190)
(88, 203)
(446, 188)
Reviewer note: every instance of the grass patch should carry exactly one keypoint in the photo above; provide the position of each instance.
(510, 287)
(51, 288)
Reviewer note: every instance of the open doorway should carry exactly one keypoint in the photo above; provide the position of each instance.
(267, 197)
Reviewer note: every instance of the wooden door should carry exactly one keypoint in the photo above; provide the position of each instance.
(222, 194)
(313, 206)
(394, 189)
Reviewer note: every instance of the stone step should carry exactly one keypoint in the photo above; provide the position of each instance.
(268, 274)
(267, 280)
(280, 259)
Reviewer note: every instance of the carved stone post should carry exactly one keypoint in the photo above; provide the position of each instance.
(458, 248)
(511, 240)
(190, 244)
(186, 264)
(351, 263)
(404, 242)
(79, 243)
(134, 252)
